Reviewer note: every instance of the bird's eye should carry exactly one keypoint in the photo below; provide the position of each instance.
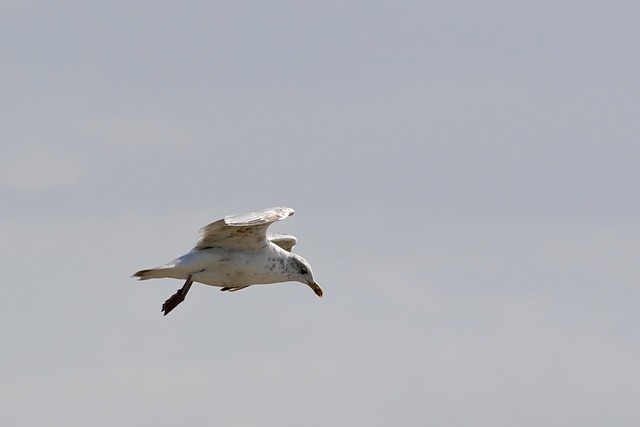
(303, 270)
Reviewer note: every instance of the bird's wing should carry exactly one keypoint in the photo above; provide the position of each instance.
(242, 231)
(285, 241)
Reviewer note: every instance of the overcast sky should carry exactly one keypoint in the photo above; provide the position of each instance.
(465, 179)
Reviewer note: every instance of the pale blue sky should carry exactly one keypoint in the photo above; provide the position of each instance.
(464, 176)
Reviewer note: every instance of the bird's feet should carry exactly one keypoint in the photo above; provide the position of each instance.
(232, 288)
(178, 297)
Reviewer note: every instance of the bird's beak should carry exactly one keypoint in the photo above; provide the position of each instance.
(316, 288)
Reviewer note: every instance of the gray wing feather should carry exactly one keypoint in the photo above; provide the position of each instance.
(285, 241)
(263, 216)
(242, 231)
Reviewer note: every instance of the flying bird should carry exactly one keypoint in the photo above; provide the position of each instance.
(234, 253)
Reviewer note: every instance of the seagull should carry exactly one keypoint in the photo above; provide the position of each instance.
(234, 253)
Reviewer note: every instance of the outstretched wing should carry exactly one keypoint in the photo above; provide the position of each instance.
(285, 241)
(242, 231)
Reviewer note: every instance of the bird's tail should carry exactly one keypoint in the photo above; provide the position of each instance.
(152, 273)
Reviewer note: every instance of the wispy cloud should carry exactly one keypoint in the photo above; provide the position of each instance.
(40, 169)
(140, 132)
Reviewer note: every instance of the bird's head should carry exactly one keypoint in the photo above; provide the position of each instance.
(300, 271)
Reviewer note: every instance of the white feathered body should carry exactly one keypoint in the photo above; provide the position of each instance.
(225, 267)
(236, 252)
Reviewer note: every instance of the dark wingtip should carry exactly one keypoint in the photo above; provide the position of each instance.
(140, 274)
